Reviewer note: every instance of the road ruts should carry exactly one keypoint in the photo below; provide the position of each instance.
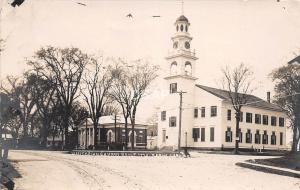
(93, 172)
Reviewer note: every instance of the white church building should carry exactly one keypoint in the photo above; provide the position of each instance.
(208, 119)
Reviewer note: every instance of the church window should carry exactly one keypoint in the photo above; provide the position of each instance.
(229, 115)
(173, 88)
(195, 112)
(186, 28)
(265, 138)
(228, 135)
(249, 117)
(188, 68)
(212, 134)
(196, 134)
(281, 138)
(281, 122)
(181, 28)
(175, 45)
(273, 138)
(257, 118)
(248, 136)
(202, 111)
(177, 28)
(202, 134)
(273, 121)
(265, 119)
(257, 137)
(174, 68)
(172, 121)
(187, 45)
(163, 115)
(213, 111)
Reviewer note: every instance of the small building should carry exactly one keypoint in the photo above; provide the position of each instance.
(111, 131)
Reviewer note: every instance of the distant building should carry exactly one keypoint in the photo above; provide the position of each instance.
(208, 118)
(110, 132)
(296, 60)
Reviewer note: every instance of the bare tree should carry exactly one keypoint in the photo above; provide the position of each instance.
(20, 91)
(130, 88)
(287, 89)
(237, 82)
(79, 116)
(45, 99)
(64, 67)
(121, 94)
(98, 82)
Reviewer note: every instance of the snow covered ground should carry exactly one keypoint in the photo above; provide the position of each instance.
(43, 170)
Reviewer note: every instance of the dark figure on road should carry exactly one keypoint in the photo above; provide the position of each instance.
(186, 153)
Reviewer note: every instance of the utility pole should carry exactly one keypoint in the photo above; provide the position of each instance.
(86, 120)
(116, 119)
(180, 115)
(1, 122)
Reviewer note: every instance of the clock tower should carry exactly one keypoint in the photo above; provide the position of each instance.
(182, 59)
(181, 62)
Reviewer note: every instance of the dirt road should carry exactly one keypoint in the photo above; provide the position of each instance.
(43, 170)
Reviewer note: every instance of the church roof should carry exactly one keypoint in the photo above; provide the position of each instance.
(182, 18)
(295, 60)
(255, 101)
(107, 120)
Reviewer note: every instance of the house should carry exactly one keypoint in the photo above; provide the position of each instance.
(112, 130)
(208, 118)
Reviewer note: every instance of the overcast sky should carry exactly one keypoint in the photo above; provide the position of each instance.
(263, 34)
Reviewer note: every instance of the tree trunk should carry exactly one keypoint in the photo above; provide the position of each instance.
(295, 137)
(132, 135)
(53, 138)
(132, 129)
(95, 135)
(126, 134)
(237, 132)
(25, 127)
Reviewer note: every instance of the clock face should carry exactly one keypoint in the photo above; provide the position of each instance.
(175, 45)
(187, 45)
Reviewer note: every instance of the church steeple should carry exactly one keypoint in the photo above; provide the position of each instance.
(182, 24)
(182, 58)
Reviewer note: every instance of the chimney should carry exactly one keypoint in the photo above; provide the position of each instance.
(269, 97)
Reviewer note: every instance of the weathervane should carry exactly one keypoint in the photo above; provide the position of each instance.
(182, 8)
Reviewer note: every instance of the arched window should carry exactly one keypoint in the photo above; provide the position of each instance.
(173, 69)
(177, 27)
(181, 28)
(110, 136)
(188, 68)
(186, 28)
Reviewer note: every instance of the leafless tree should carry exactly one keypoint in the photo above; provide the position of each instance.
(64, 67)
(237, 82)
(120, 93)
(20, 91)
(45, 99)
(97, 83)
(130, 87)
(287, 96)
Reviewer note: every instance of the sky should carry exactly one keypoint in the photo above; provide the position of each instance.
(263, 34)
